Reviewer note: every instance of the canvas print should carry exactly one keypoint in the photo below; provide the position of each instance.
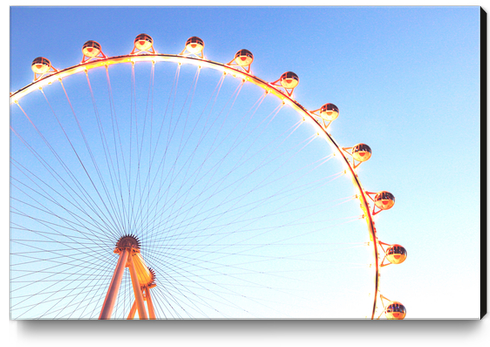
(245, 163)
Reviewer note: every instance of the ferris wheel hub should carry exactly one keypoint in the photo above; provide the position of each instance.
(127, 242)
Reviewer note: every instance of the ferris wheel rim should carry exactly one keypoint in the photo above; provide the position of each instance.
(246, 76)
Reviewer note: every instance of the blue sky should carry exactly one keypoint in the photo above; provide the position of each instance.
(406, 81)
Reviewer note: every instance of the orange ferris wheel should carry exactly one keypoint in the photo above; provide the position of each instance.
(158, 186)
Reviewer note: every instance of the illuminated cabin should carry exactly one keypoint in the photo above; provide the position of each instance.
(361, 152)
(41, 65)
(329, 112)
(384, 200)
(194, 45)
(395, 311)
(396, 254)
(244, 57)
(91, 49)
(289, 80)
(143, 42)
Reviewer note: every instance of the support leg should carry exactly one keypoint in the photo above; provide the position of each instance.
(149, 302)
(133, 311)
(138, 295)
(111, 295)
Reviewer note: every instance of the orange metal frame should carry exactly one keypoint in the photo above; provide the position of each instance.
(381, 244)
(86, 59)
(370, 195)
(346, 150)
(245, 68)
(38, 76)
(141, 280)
(137, 51)
(277, 83)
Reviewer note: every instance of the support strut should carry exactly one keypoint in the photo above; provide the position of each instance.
(111, 296)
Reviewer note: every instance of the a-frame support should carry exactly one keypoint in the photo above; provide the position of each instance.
(142, 279)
